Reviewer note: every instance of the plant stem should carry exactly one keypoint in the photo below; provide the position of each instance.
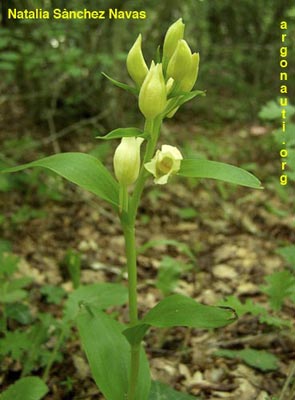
(287, 383)
(54, 353)
(152, 127)
(130, 247)
(129, 235)
(123, 199)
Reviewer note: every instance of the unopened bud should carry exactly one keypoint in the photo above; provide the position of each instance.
(127, 160)
(165, 163)
(152, 96)
(136, 64)
(188, 82)
(173, 35)
(180, 62)
(169, 85)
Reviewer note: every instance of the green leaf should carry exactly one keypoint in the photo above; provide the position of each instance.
(82, 169)
(72, 261)
(160, 391)
(178, 310)
(272, 110)
(12, 291)
(187, 213)
(122, 132)
(242, 308)
(288, 253)
(122, 85)
(254, 309)
(8, 264)
(100, 295)
(185, 97)
(169, 274)
(259, 359)
(280, 286)
(5, 246)
(14, 344)
(182, 247)
(274, 321)
(180, 98)
(6, 66)
(108, 353)
(19, 312)
(53, 294)
(220, 171)
(10, 56)
(29, 388)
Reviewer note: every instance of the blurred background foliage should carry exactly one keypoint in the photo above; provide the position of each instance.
(53, 67)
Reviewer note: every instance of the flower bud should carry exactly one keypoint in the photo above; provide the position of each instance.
(166, 162)
(187, 83)
(152, 96)
(181, 61)
(173, 35)
(169, 85)
(136, 64)
(127, 160)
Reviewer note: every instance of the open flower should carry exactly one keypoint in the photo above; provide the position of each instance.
(127, 160)
(166, 162)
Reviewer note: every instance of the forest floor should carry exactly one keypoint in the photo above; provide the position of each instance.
(232, 235)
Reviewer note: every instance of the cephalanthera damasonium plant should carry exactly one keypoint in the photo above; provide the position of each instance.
(115, 353)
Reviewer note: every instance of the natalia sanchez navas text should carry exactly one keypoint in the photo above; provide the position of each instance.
(58, 13)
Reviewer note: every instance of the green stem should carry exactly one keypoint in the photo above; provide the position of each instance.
(54, 353)
(129, 209)
(129, 235)
(153, 128)
(287, 383)
(130, 247)
(123, 199)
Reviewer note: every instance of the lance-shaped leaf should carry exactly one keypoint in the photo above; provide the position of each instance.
(29, 388)
(100, 295)
(184, 97)
(178, 310)
(121, 85)
(122, 132)
(108, 353)
(82, 169)
(216, 170)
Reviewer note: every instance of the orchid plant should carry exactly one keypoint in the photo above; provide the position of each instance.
(115, 352)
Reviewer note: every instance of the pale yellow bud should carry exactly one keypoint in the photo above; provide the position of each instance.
(152, 96)
(127, 160)
(181, 61)
(173, 35)
(169, 85)
(165, 163)
(187, 83)
(136, 64)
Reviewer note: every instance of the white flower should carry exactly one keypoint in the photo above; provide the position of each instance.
(127, 160)
(166, 162)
